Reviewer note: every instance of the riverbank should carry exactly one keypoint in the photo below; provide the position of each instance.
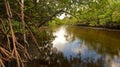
(99, 27)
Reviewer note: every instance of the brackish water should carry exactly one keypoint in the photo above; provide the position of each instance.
(74, 46)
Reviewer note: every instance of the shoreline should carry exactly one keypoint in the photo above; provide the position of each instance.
(99, 27)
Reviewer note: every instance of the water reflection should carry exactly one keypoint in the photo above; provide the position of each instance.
(81, 49)
(112, 62)
(77, 47)
(60, 39)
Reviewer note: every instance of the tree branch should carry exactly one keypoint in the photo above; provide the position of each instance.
(49, 18)
(57, 12)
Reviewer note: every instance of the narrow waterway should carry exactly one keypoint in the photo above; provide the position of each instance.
(73, 46)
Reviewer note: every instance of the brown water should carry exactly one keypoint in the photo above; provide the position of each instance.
(72, 46)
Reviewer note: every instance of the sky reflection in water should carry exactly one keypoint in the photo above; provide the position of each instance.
(78, 48)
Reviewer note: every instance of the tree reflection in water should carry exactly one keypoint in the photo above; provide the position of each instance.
(73, 48)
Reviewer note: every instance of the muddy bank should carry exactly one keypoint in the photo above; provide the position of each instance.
(106, 27)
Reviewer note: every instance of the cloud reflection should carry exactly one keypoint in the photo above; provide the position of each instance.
(73, 48)
(78, 49)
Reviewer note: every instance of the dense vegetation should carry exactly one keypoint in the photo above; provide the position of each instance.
(100, 13)
(20, 19)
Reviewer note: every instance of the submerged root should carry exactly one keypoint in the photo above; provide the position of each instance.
(15, 53)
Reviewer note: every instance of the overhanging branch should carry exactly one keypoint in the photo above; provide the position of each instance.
(57, 12)
(49, 18)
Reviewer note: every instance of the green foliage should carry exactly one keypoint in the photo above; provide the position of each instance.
(116, 16)
(98, 11)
